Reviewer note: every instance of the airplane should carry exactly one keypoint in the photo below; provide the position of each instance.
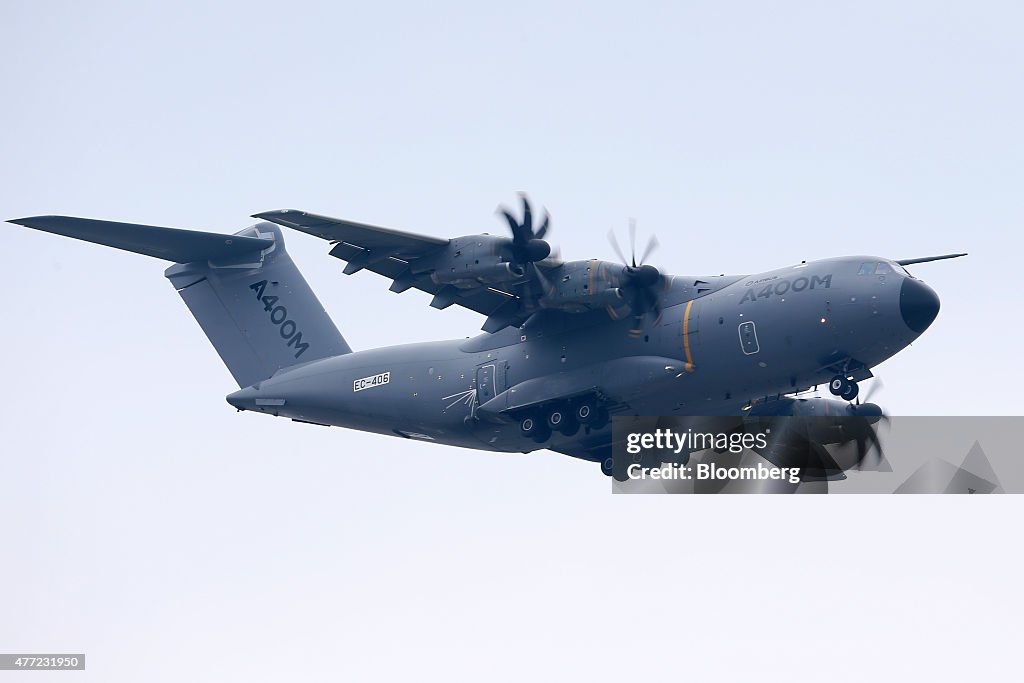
(565, 345)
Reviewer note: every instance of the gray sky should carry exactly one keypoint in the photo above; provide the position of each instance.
(144, 519)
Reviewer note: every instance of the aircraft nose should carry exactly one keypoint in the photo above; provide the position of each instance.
(919, 304)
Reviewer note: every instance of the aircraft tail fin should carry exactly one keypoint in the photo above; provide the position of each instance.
(244, 290)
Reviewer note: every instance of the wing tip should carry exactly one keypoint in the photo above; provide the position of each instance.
(28, 220)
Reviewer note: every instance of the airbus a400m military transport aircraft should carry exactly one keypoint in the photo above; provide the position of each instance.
(565, 344)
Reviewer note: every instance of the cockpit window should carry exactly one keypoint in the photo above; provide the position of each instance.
(878, 268)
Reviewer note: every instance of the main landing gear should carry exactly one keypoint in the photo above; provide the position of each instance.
(565, 417)
(844, 388)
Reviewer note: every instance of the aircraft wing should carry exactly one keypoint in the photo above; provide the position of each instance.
(927, 259)
(390, 253)
(377, 240)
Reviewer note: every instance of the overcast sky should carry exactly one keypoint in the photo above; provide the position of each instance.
(151, 526)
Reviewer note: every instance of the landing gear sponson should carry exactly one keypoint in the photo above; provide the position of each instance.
(565, 417)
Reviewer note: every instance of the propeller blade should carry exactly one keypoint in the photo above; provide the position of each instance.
(650, 299)
(875, 387)
(632, 240)
(877, 443)
(638, 323)
(866, 443)
(617, 312)
(862, 450)
(527, 217)
(543, 229)
(641, 286)
(542, 278)
(513, 224)
(615, 245)
(526, 246)
(652, 244)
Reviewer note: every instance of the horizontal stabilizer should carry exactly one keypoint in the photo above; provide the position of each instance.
(926, 259)
(171, 244)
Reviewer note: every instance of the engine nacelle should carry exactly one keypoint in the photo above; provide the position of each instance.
(575, 302)
(468, 261)
(815, 407)
(584, 285)
(828, 421)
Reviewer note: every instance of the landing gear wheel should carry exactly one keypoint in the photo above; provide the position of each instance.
(556, 417)
(600, 419)
(569, 427)
(838, 384)
(851, 391)
(541, 434)
(607, 467)
(585, 411)
(528, 425)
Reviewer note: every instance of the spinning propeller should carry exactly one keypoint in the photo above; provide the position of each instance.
(527, 248)
(866, 439)
(641, 284)
(861, 447)
(528, 245)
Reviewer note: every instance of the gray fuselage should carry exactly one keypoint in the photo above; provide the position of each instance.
(733, 340)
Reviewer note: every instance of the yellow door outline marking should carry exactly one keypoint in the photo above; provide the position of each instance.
(686, 336)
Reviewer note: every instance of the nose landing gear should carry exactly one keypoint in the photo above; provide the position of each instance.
(844, 388)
